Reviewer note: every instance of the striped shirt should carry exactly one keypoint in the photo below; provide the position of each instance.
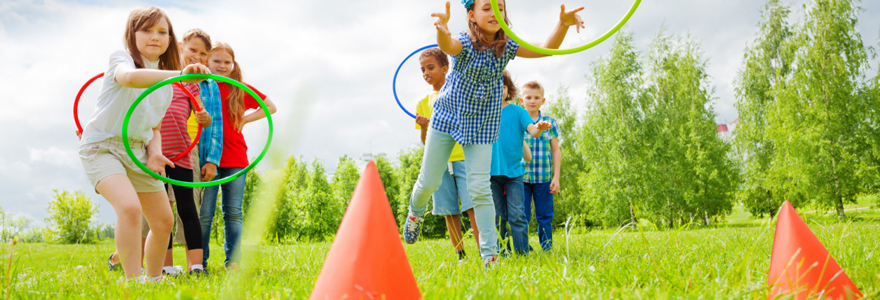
(469, 105)
(540, 169)
(175, 137)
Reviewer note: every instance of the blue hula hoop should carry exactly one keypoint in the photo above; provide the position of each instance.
(394, 82)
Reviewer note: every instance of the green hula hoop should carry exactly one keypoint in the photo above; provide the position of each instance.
(546, 51)
(187, 77)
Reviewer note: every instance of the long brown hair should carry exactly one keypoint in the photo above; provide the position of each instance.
(146, 17)
(235, 99)
(479, 39)
(511, 87)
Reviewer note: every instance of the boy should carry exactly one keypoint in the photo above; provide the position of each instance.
(507, 170)
(453, 186)
(539, 181)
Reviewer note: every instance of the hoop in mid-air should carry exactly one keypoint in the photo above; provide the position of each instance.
(546, 51)
(394, 82)
(187, 77)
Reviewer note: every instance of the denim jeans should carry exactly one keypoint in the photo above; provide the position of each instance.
(508, 195)
(438, 146)
(233, 193)
(543, 210)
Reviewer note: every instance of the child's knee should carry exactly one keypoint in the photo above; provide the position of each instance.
(129, 211)
(162, 224)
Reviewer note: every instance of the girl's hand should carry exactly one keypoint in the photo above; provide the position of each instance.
(203, 117)
(442, 19)
(544, 125)
(421, 120)
(195, 69)
(571, 18)
(554, 185)
(157, 163)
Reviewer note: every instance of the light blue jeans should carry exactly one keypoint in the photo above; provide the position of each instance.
(478, 159)
(233, 194)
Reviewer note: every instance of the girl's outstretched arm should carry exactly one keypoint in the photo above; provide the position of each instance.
(444, 37)
(144, 78)
(566, 19)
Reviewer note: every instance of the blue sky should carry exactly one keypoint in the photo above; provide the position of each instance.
(328, 69)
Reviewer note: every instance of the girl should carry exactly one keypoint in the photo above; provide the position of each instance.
(468, 112)
(132, 193)
(235, 101)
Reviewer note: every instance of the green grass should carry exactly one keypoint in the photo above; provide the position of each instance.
(715, 262)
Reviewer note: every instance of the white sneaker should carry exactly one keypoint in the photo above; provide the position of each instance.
(490, 262)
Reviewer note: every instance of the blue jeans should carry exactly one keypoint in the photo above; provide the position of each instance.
(508, 195)
(540, 192)
(233, 193)
(438, 146)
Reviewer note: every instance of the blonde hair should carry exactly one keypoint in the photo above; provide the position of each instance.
(199, 34)
(235, 99)
(481, 42)
(146, 17)
(535, 86)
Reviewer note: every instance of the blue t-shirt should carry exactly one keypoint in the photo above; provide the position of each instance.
(507, 152)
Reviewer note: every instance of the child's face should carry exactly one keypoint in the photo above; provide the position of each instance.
(221, 63)
(194, 51)
(532, 99)
(484, 17)
(153, 41)
(432, 72)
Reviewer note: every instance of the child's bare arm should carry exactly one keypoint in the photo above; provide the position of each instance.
(155, 160)
(444, 38)
(527, 153)
(536, 129)
(423, 125)
(557, 164)
(144, 78)
(258, 114)
(566, 19)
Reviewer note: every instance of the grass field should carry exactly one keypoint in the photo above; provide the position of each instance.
(725, 262)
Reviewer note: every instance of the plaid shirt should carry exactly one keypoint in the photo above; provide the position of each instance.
(540, 169)
(211, 141)
(469, 105)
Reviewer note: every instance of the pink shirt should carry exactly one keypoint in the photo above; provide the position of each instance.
(175, 137)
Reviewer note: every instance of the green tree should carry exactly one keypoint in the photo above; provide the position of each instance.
(611, 136)
(819, 122)
(72, 218)
(389, 181)
(766, 66)
(568, 201)
(251, 183)
(345, 179)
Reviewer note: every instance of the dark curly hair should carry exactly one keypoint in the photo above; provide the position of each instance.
(437, 54)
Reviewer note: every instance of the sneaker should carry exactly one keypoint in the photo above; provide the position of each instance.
(198, 272)
(147, 279)
(112, 266)
(490, 262)
(412, 229)
(462, 255)
(172, 271)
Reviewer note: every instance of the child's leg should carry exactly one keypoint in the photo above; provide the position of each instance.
(515, 215)
(233, 195)
(478, 159)
(453, 224)
(158, 213)
(473, 220)
(186, 209)
(118, 190)
(499, 200)
(438, 146)
(527, 202)
(544, 214)
(206, 218)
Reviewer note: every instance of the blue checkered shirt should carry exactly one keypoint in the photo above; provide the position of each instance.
(211, 141)
(540, 169)
(469, 105)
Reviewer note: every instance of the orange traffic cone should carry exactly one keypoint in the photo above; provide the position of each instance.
(800, 266)
(366, 260)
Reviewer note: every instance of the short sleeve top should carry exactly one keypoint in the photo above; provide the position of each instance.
(469, 105)
(115, 100)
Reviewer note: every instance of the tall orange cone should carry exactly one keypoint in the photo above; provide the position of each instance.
(800, 266)
(366, 260)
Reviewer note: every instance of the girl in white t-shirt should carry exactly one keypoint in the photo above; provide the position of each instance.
(147, 60)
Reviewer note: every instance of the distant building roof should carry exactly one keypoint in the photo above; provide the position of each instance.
(722, 128)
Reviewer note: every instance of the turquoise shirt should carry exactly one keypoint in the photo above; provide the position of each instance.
(507, 153)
